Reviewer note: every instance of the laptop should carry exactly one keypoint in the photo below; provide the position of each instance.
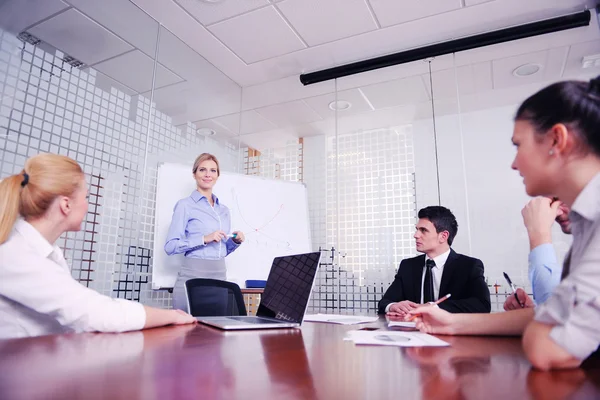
(285, 298)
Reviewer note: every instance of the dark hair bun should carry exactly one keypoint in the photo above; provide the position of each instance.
(575, 104)
(594, 86)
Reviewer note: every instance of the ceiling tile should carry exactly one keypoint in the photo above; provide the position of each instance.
(395, 93)
(17, 15)
(471, 79)
(392, 12)
(270, 140)
(383, 118)
(312, 19)
(229, 122)
(439, 28)
(124, 19)
(460, 22)
(78, 36)
(321, 103)
(288, 114)
(281, 91)
(550, 62)
(106, 83)
(474, 2)
(209, 13)
(187, 63)
(135, 70)
(251, 122)
(177, 21)
(258, 35)
(193, 100)
(211, 124)
(573, 67)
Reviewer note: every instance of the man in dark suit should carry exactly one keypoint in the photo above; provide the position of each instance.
(438, 272)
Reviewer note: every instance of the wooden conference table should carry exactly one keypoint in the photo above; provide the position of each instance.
(199, 362)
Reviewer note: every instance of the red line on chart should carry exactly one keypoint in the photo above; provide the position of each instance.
(259, 230)
(272, 238)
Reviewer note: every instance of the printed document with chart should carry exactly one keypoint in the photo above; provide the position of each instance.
(395, 338)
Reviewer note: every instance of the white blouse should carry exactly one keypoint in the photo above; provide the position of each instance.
(38, 295)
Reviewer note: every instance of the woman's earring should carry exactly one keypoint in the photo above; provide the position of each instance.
(551, 152)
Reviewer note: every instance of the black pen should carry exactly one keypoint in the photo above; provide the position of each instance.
(513, 287)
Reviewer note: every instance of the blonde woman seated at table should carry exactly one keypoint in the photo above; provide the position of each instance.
(38, 295)
(558, 154)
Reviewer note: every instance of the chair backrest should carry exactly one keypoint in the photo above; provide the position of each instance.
(214, 298)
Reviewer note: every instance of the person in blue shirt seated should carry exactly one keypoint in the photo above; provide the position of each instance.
(544, 269)
(200, 230)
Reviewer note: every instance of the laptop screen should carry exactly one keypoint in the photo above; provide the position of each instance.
(289, 286)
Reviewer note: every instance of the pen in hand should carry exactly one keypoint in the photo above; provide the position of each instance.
(514, 288)
(446, 297)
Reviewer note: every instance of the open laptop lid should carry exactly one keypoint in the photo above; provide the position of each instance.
(289, 286)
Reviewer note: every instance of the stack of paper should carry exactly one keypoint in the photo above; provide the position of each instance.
(339, 319)
(403, 324)
(395, 338)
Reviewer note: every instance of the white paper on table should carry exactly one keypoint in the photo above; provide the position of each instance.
(395, 338)
(339, 319)
(404, 324)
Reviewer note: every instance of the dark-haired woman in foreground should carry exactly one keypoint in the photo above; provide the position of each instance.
(557, 136)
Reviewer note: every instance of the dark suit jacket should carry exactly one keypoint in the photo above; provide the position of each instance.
(462, 277)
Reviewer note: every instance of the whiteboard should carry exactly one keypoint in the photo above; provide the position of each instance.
(273, 215)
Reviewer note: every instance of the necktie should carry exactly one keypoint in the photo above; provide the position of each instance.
(566, 265)
(428, 283)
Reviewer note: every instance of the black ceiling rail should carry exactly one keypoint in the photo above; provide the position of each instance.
(485, 39)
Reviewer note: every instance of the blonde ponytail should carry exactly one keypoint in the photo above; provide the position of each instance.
(10, 195)
(31, 192)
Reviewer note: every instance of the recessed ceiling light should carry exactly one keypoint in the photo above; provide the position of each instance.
(206, 132)
(340, 105)
(526, 70)
(212, 1)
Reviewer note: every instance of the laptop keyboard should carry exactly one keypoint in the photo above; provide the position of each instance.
(254, 320)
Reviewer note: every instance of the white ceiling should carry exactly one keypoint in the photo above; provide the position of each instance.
(208, 51)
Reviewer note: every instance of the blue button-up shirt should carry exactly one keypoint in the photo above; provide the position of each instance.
(193, 218)
(544, 272)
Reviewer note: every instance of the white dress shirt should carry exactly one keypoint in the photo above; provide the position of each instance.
(573, 309)
(38, 295)
(436, 273)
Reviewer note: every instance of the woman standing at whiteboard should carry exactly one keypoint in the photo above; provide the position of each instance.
(199, 229)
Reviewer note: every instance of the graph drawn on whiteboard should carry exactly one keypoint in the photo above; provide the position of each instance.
(257, 232)
(273, 214)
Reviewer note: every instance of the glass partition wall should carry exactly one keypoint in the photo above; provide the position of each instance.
(372, 184)
(482, 89)
(120, 94)
(437, 131)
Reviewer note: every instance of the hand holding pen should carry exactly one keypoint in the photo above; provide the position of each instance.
(435, 320)
(513, 287)
(519, 300)
(446, 297)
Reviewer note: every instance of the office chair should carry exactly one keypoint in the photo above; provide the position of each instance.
(214, 298)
